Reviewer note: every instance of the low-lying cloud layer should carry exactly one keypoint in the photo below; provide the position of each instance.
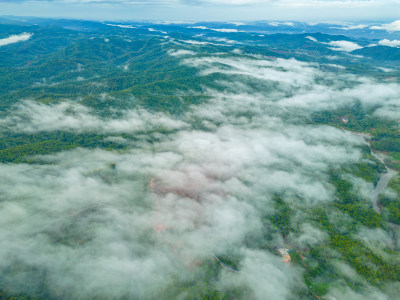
(143, 222)
(15, 38)
(344, 46)
(390, 43)
(73, 117)
(391, 27)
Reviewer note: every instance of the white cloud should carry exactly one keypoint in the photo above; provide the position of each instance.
(276, 24)
(199, 27)
(155, 30)
(122, 26)
(173, 22)
(223, 40)
(393, 43)
(391, 27)
(386, 70)
(391, 110)
(300, 78)
(260, 69)
(332, 57)
(308, 236)
(70, 116)
(15, 39)
(194, 42)
(311, 38)
(258, 266)
(226, 30)
(237, 23)
(352, 27)
(346, 46)
(341, 67)
(181, 52)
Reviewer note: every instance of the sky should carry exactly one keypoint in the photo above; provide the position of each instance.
(206, 10)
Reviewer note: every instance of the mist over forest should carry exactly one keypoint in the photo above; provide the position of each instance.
(199, 161)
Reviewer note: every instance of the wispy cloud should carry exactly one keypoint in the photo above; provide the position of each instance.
(346, 46)
(390, 43)
(352, 27)
(15, 39)
(70, 116)
(391, 27)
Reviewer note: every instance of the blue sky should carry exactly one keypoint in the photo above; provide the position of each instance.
(207, 10)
